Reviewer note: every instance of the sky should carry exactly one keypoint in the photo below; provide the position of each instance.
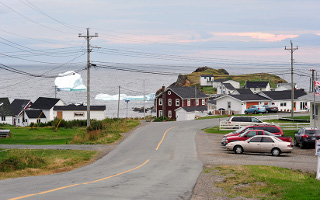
(162, 35)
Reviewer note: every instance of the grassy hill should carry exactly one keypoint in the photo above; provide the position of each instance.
(194, 78)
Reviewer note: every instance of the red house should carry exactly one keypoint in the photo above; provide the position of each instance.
(168, 100)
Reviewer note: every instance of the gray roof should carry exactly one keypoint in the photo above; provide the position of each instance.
(44, 103)
(256, 84)
(228, 86)
(188, 92)
(80, 107)
(18, 105)
(309, 97)
(197, 108)
(221, 80)
(249, 97)
(206, 75)
(282, 95)
(244, 91)
(5, 107)
(34, 114)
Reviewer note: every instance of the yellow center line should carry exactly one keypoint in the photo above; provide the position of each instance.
(60, 188)
(163, 137)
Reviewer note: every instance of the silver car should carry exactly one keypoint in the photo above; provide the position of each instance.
(261, 144)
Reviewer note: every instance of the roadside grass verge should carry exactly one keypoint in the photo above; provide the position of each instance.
(266, 182)
(20, 163)
(107, 132)
(102, 132)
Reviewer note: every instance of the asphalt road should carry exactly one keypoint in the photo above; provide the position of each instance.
(157, 161)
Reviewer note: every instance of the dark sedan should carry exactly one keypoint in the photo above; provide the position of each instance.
(306, 136)
(271, 108)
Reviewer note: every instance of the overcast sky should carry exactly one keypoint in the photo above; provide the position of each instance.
(215, 33)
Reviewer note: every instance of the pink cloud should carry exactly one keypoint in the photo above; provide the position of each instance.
(260, 36)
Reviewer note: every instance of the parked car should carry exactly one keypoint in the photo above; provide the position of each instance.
(250, 133)
(255, 109)
(261, 144)
(306, 136)
(267, 127)
(239, 121)
(271, 108)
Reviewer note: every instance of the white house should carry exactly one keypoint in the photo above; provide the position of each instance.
(282, 99)
(190, 113)
(225, 88)
(6, 112)
(78, 112)
(46, 105)
(34, 116)
(258, 86)
(236, 104)
(206, 80)
(285, 86)
(18, 107)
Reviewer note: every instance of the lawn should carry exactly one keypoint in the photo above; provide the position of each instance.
(110, 132)
(17, 163)
(39, 136)
(267, 182)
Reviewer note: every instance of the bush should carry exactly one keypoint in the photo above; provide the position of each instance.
(160, 119)
(22, 161)
(95, 125)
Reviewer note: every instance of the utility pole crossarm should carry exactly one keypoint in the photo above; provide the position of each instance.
(88, 38)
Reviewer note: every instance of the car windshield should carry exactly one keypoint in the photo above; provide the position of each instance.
(240, 130)
(244, 133)
(268, 133)
(313, 131)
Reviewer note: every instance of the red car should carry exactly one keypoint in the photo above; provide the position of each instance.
(249, 133)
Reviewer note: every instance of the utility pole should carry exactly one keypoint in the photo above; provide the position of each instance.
(144, 100)
(292, 84)
(88, 38)
(118, 103)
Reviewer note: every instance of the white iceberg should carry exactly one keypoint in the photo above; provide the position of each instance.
(69, 81)
(107, 97)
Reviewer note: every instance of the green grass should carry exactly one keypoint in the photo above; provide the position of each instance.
(213, 117)
(39, 136)
(21, 162)
(267, 182)
(48, 136)
(208, 90)
(215, 130)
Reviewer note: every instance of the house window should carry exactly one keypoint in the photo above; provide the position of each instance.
(303, 106)
(38, 120)
(160, 113)
(177, 102)
(203, 102)
(18, 121)
(229, 105)
(169, 102)
(79, 114)
(169, 92)
(3, 118)
(188, 102)
(197, 102)
(283, 104)
(160, 101)
(169, 113)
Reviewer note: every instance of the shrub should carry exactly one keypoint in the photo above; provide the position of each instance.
(160, 119)
(95, 125)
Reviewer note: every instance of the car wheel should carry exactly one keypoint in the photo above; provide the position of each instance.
(255, 112)
(238, 149)
(275, 152)
(295, 142)
(245, 112)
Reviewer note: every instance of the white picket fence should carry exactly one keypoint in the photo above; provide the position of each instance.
(284, 126)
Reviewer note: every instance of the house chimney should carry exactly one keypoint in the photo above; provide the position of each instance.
(163, 88)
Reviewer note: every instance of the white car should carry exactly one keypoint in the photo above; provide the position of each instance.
(261, 144)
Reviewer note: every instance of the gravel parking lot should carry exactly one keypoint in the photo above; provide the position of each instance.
(212, 153)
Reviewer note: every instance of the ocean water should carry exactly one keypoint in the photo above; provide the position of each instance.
(103, 81)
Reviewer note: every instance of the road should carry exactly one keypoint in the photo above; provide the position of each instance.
(157, 161)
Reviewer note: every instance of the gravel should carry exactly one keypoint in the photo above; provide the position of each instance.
(212, 153)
